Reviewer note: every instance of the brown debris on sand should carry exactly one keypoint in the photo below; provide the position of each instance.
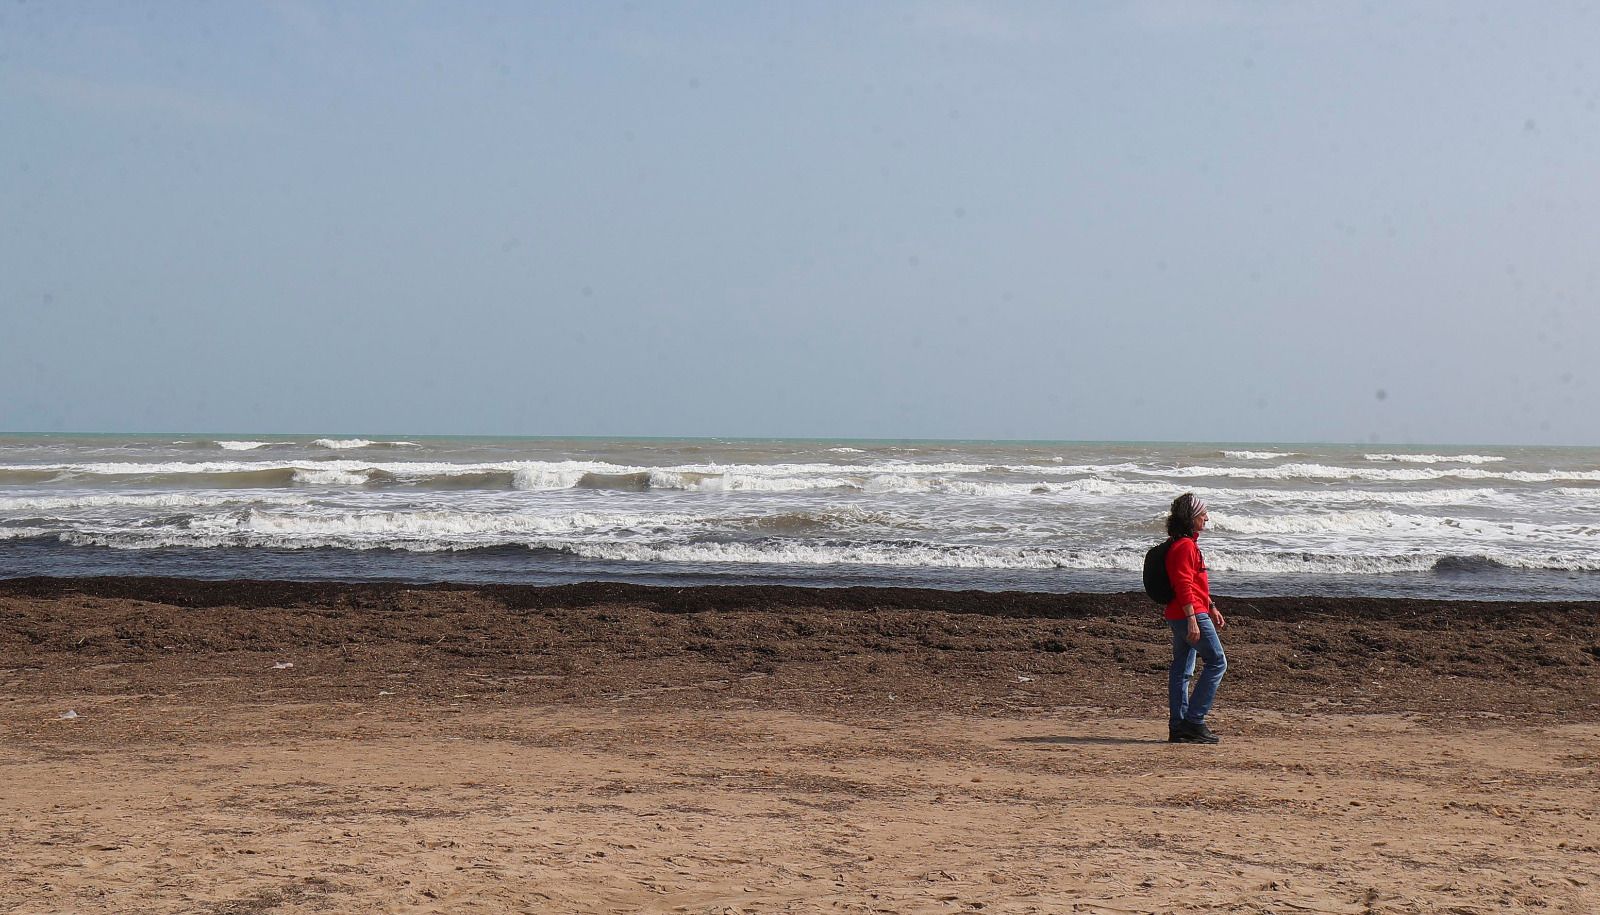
(296, 748)
(797, 647)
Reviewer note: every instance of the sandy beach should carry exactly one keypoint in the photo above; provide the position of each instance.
(243, 747)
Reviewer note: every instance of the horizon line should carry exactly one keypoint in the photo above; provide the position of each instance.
(794, 438)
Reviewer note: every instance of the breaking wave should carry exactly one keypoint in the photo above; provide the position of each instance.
(1396, 526)
(848, 518)
(319, 476)
(897, 554)
(343, 444)
(882, 477)
(167, 500)
(1417, 498)
(1398, 475)
(1257, 455)
(26, 533)
(456, 534)
(433, 525)
(778, 552)
(1436, 458)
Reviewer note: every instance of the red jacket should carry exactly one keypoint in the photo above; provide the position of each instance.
(1187, 570)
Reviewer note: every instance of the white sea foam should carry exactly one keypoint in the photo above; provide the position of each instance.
(242, 446)
(132, 468)
(1092, 487)
(843, 518)
(441, 534)
(885, 483)
(544, 476)
(882, 477)
(1257, 455)
(342, 444)
(1388, 564)
(1588, 497)
(24, 533)
(329, 476)
(1222, 560)
(1397, 475)
(1436, 458)
(1576, 561)
(1095, 486)
(898, 555)
(747, 482)
(1417, 498)
(166, 500)
(1023, 559)
(1394, 525)
(392, 527)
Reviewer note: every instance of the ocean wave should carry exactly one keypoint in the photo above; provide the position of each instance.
(321, 476)
(25, 533)
(431, 525)
(1092, 487)
(1373, 474)
(1416, 498)
(1436, 458)
(1578, 561)
(171, 500)
(898, 554)
(571, 474)
(1257, 455)
(881, 477)
(781, 552)
(848, 518)
(1281, 563)
(625, 479)
(747, 482)
(23, 475)
(1391, 525)
(242, 446)
(546, 476)
(344, 444)
(1309, 563)
(413, 534)
(213, 476)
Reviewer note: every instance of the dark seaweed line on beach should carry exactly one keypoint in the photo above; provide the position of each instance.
(247, 593)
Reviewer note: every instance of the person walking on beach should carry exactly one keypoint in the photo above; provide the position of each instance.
(1194, 620)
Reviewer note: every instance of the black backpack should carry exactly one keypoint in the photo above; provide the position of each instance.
(1156, 582)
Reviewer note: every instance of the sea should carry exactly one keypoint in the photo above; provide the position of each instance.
(1478, 522)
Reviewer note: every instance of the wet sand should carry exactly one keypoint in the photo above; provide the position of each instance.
(607, 748)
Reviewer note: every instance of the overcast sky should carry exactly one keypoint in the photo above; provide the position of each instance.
(1147, 221)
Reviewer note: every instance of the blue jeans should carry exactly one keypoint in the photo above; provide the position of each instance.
(1181, 704)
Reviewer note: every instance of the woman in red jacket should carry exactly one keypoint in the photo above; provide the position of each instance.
(1194, 620)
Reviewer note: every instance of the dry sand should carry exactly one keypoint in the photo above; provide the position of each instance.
(615, 749)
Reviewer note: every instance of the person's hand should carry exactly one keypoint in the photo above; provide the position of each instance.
(1193, 636)
(1216, 617)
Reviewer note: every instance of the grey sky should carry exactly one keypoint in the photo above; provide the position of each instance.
(1226, 221)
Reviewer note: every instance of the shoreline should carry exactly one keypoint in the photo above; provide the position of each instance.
(252, 591)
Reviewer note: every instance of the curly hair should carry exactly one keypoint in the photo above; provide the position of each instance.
(1185, 509)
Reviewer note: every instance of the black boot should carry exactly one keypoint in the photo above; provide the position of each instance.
(1181, 732)
(1201, 733)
